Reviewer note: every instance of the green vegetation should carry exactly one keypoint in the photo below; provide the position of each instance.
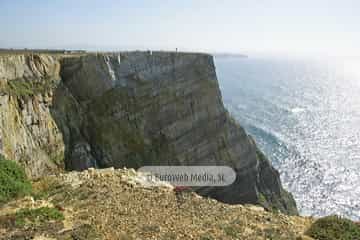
(37, 216)
(231, 231)
(206, 237)
(23, 88)
(45, 188)
(334, 228)
(13, 181)
(87, 232)
(260, 155)
(275, 234)
(262, 199)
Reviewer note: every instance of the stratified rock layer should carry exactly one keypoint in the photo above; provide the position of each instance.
(129, 109)
(28, 132)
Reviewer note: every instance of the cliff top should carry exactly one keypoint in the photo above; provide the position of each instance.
(67, 53)
(114, 204)
(39, 51)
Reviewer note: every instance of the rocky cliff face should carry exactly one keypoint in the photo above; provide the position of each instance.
(28, 132)
(129, 109)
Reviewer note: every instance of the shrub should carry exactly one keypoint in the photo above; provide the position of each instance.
(231, 231)
(89, 232)
(24, 88)
(334, 228)
(44, 188)
(37, 216)
(13, 181)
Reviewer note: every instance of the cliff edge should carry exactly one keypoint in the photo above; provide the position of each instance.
(129, 110)
(101, 204)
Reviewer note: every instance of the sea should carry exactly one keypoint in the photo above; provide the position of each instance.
(304, 113)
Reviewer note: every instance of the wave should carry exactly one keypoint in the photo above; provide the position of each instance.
(275, 148)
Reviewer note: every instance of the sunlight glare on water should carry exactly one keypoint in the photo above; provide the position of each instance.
(305, 115)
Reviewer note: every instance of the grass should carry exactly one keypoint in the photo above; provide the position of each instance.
(334, 228)
(260, 155)
(88, 232)
(13, 181)
(44, 188)
(37, 216)
(23, 88)
(275, 234)
(262, 199)
(206, 237)
(47, 188)
(231, 231)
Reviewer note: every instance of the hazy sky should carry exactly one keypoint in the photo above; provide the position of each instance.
(295, 26)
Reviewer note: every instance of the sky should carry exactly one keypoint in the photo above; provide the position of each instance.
(240, 26)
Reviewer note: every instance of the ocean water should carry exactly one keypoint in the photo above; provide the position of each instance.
(305, 115)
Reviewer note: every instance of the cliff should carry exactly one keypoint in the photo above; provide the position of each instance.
(129, 109)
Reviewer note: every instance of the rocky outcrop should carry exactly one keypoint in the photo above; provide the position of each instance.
(28, 132)
(129, 109)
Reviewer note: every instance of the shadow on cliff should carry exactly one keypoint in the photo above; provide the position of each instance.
(94, 137)
(122, 127)
(70, 117)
